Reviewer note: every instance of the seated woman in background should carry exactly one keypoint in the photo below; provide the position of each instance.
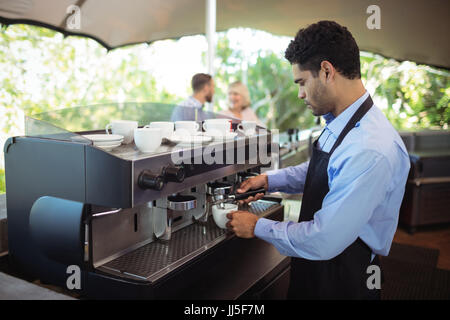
(239, 103)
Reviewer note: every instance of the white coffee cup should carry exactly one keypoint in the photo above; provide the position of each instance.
(147, 139)
(187, 126)
(220, 215)
(165, 126)
(247, 127)
(217, 125)
(124, 128)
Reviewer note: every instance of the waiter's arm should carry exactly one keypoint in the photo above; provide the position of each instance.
(288, 180)
(357, 187)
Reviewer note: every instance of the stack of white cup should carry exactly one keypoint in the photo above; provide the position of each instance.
(124, 128)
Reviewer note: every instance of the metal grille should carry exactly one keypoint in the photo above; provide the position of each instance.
(261, 206)
(157, 258)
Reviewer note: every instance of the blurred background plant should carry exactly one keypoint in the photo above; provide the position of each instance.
(40, 71)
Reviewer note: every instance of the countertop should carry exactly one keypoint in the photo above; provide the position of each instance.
(12, 288)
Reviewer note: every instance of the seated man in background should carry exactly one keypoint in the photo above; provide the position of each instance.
(192, 108)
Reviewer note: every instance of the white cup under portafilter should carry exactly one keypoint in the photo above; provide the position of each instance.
(220, 214)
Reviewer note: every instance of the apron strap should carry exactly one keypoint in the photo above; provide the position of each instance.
(357, 116)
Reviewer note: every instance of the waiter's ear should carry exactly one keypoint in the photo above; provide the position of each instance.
(327, 68)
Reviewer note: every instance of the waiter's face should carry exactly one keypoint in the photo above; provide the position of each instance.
(313, 90)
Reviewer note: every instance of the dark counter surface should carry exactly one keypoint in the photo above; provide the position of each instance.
(12, 288)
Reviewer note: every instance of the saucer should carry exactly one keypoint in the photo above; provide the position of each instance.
(197, 139)
(104, 137)
(108, 147)
(183, 132)
(107, 143)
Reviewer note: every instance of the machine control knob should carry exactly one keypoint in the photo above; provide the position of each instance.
(174, 173)
(150, 180)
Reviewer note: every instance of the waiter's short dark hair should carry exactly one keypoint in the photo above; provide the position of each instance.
(325, 40)
(199, 81)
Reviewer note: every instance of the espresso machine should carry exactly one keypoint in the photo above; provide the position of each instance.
(138, 226)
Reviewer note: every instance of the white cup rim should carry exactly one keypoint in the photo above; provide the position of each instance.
(230, 206)
(147, 129)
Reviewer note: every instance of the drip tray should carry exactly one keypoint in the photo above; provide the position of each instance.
(154, 260)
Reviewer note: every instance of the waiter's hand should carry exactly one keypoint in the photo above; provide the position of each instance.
(242, 223)
(254, 183)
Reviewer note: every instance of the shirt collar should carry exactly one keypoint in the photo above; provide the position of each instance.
(196, 103)
(337, 124)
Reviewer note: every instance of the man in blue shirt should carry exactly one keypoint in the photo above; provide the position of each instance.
(191, 109)
(353, 184)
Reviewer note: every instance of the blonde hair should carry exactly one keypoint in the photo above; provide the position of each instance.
(242, 90)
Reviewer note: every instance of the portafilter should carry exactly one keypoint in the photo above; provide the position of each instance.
(221, 199)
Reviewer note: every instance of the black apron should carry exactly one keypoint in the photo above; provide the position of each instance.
(343, 277)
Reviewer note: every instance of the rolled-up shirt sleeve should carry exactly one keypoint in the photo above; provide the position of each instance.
(288, 180)
(357, 188)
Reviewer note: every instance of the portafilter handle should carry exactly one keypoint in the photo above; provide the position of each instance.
(245, 195)
(238, 196)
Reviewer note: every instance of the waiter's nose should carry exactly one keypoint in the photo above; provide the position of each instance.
(301, 93)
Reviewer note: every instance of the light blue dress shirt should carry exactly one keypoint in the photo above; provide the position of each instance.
(189, 110)
(366, 178)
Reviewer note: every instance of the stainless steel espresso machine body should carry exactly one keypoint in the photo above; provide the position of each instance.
(135, 225)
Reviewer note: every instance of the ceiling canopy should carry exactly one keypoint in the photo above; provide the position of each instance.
(415, 30)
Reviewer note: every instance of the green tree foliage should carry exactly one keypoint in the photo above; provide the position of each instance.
(415, 96)
(40, 70)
